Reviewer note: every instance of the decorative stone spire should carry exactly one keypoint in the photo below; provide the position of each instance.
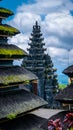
(41, 64)
(35, 61)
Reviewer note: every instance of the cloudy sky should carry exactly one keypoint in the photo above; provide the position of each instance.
(56, 20)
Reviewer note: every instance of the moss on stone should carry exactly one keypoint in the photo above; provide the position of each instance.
(11, 52)
(15, 79)
(11, 116)
(8, 30)
(12, 78)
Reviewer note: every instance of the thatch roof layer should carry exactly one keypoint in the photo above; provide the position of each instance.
(27, 122)
(15, 74)
(69, 71)
(5, 12)
(8, 30)
(66, 95)
(13, 103)
(11, 51)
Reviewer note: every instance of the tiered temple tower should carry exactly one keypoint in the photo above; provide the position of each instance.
(36, 52)
(51, 82)
(35, 61)
(41, 64)
(15, 102)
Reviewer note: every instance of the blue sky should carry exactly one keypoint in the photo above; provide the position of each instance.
(56, 20)
(13, 4)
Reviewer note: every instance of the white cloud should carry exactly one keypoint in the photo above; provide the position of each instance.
(57, 52)
(59, 23)
(40, 7)
(20, 40)
(52, 41)
(60, 55)
(56, 26)
(24, 21)
(58, 30)
(45, 7)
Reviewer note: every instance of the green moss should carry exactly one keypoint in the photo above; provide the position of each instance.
(16, 79)
(62, 86)
(8, 30)
(71, 128)
(13, 78)
(11, 116)
(27, 82)
(6, 11)
(11, 52)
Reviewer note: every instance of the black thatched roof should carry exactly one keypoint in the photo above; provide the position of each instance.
(66, 95)
(27, 122)
(69, 71)
(8, 30)
(11, 51)
(15, 74)
(5, 12)
(16, 102)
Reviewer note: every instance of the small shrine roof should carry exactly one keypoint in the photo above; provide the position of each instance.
(14, 103)
(11, 51)
(15, 74)
(5, 12)
(69, 71)
(8, 30)
(66, 95)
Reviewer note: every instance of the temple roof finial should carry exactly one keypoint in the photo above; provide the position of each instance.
(36, 23)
